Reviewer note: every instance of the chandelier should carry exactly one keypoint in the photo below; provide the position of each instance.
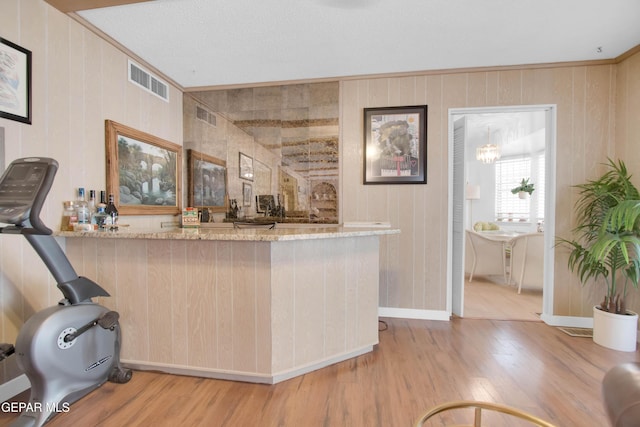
(488, 153)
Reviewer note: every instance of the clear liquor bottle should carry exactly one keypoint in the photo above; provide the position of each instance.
(82, 208)
(100, 217)
(92, 204)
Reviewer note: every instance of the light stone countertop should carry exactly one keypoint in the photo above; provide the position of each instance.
(241, 234)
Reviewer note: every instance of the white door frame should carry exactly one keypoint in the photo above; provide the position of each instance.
(549, 210)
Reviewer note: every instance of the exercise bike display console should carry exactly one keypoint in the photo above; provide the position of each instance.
(70, 349)
(18, 190)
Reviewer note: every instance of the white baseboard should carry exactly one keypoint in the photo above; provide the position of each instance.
(14, 387)
(551, 320)
(197, 372)
(285, 375)
(250, 377)
(567, 321)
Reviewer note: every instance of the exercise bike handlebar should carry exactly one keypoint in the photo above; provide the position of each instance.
(35, 223)
(24, 186)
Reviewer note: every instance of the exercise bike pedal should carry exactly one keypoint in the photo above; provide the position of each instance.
(120, 375)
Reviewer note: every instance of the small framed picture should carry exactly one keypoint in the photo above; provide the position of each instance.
(247, 194)
(15, 82)
(395, 145)
(246, 166)
(264, 202)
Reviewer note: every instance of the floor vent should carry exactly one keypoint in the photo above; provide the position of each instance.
(147, 81)
(205, 115)
(578, 332)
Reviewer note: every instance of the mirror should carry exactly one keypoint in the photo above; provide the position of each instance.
(279, 141)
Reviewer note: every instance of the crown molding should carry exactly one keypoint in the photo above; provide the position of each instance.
(68, 6)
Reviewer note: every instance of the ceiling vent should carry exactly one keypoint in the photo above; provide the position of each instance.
(141, 77)
(205, 115)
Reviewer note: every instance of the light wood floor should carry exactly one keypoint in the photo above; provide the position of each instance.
(491, 298)
(417, 365)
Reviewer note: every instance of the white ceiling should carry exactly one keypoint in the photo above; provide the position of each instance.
(515, 132)
(199, 43)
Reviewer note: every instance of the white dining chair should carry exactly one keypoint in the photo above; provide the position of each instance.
(484, 256)
(527, 261)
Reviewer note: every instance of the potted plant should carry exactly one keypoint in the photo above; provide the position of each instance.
(523, 190)
(606, 249)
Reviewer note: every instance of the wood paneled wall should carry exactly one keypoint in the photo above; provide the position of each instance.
(414, 262)
(627, 132)
(78, 81)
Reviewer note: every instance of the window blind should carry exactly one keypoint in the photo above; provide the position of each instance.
(509, 174)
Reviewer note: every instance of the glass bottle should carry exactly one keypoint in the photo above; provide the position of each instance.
(112, 212)
(69, 217)
(82, 208)
(92, 204)
(100, 217)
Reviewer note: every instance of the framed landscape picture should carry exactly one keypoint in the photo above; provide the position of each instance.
(207, 181)
(144, 172)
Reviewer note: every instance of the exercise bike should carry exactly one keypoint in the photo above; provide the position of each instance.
(70, 349)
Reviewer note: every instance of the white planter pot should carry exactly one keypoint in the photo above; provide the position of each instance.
(615, 331)
(523, 194)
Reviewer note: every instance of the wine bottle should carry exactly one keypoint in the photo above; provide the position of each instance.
(112, 211)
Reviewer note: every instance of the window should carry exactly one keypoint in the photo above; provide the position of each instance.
(509, 174)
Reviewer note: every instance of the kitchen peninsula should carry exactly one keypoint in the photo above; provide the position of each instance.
(254, 305)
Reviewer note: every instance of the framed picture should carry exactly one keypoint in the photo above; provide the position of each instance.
(264, 202)
(246, 167)
(15, 82)
(207, 181)
(246, 194)
(143, 171)
(395, 145)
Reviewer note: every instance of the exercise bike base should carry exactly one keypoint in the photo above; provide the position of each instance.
(62, 372)
(38, 414)
(120, 375)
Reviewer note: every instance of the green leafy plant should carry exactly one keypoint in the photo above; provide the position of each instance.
(525, 185)
(607, 238)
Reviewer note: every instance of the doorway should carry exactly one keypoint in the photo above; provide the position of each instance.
(522, 134)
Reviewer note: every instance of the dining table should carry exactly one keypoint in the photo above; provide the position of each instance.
(501, 235)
